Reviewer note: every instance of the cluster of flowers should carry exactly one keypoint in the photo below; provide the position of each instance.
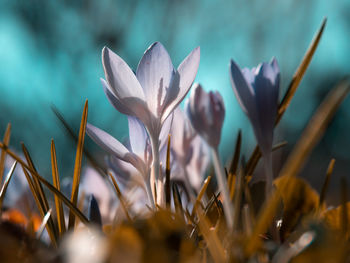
(151, 97)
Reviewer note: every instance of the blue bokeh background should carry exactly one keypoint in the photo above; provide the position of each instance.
(50, 54)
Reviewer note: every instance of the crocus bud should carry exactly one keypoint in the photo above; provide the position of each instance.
(206, 112)
(257, 92)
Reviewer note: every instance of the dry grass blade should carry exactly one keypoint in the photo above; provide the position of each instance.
(41, 195)
(256, 155)
(120, 196)
(37, 186)
(212, 240)
(249, 202)
(72, 207)
(35, 194)
(56, 183)
(253, 161)
(326, 183)
(71, 133)
(167, 175)
(201, 194)
(298, 75)
(247, 220)
(5, 185)
(235, 159)
(75, 210)
(264, 220)
(3, 153)
(315, 129)
(177, 201)
(238, 199)
(40, 230)
(77, 165)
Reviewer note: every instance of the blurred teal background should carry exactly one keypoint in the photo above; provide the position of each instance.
(50, 54)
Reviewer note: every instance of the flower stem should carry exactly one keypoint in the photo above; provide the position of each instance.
(220, 176)
(269, 190)
(149, 193)
(268, 174)
(188, 186)
(155, 164)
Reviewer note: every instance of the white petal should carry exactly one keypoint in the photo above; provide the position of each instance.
(154, 73)
(120, 77)
(131, 106)
(138, 136)
(107, 142)
(114, 147)
(178, 130)
(116, 103)
(187, 72)
(164, 132)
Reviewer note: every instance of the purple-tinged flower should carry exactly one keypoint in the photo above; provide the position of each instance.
(139, 155)
(156, 89)
(199, 162)
(190, 153)
(153, 93)
(206, 112)
(182, 137)
(257, 91)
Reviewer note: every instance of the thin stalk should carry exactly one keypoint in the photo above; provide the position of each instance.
(149, 193)
(220, 176)
(188, 186)
(167, 175)
(268, 174)
(269, 190)
(155, 165)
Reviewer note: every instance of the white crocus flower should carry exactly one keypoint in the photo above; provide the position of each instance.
(152, 93)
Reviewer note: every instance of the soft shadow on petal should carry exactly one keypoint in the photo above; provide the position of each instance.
(120, 77)
(139, 109)
(107, 142)
(249, 75)
(124, 171)
(266, 73)
(114, 147)
(116, 103)
(154, 73)
(187, 72)
(266, 92)
(243, 91)
(164, 132)
(137, 136)
(171, 96)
